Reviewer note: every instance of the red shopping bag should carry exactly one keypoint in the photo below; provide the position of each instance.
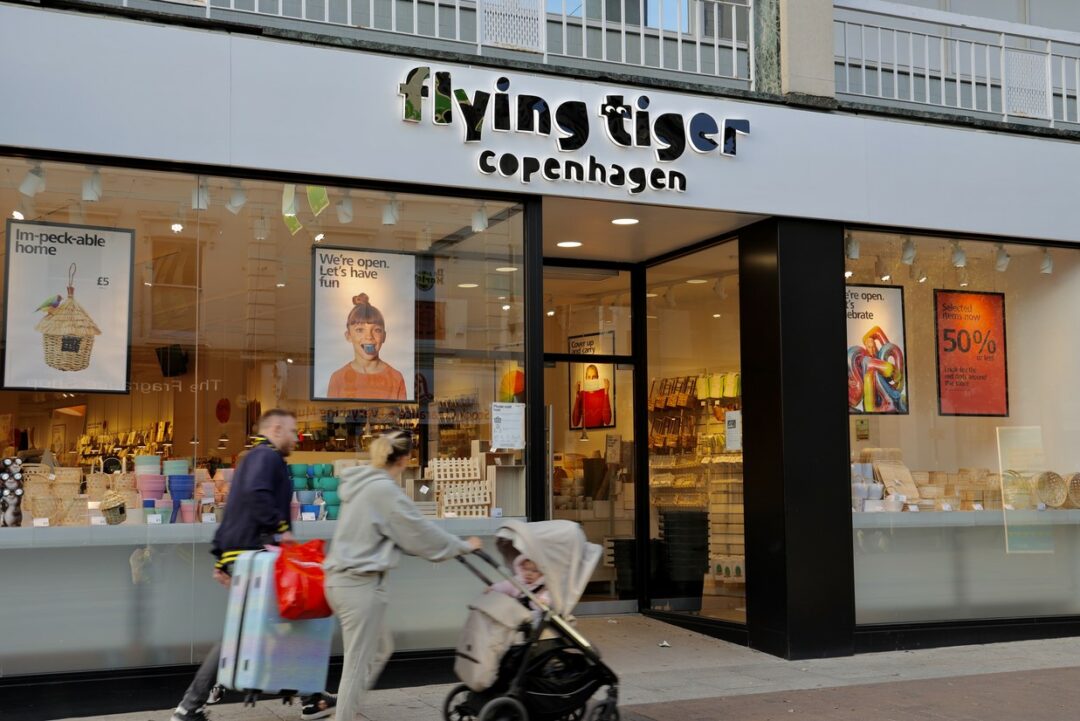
(299, 577)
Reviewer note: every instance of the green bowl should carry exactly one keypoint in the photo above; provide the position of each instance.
(326, 469)
(327, 484)
(332, 498)
(300, 484)
(299, 469)
(332, 512)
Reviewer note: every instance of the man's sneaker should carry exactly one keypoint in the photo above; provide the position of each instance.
(216, 694)
(195, 715)
(321, 705)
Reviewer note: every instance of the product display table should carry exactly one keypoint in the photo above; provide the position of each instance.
(964, 565)
(111, 597)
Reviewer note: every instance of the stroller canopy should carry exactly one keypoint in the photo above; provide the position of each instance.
(561, 552)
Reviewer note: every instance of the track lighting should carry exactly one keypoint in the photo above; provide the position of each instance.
(391, 212)
(1047, 266)
(480, 219)
(918, 274)
(848, 273)
(882, 271)
(907, 254)
(344, 210)
(17, 215)
(288, 200)
(962, 277)
(260, 229)
(959, 256)
(281, 277)
(34, 181)
(237, 199)
(851, 246)
(1001, 259)
(148, 274)
(91, 187)
(177, 224)
(200, 195)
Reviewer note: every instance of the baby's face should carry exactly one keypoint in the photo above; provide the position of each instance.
(529, 572)
(367, 339)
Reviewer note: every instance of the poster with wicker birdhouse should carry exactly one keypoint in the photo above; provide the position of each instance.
(67, 309)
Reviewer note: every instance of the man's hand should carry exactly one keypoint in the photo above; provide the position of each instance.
(475, 543)
(221, 577)
(288, 537)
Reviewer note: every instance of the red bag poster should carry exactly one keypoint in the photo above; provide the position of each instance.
(972, 368)
(299, 578)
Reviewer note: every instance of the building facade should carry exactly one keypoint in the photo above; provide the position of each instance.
(210, 204)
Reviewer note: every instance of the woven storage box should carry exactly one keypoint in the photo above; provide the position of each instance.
(51, 507)
(97, 484)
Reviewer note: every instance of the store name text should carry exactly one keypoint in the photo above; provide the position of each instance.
(626, 125)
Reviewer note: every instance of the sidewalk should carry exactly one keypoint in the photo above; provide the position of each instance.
(700, 678)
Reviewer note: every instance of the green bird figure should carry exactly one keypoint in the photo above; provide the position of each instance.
(50, 303)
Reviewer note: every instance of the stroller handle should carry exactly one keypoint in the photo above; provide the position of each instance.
(463, 560)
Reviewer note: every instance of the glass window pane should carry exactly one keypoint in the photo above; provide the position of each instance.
(586, 310)
(695, 442)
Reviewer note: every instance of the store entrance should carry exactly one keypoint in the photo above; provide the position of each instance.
(640, 450)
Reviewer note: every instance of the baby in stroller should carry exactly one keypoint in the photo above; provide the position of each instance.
(528, 576)
(519, 656)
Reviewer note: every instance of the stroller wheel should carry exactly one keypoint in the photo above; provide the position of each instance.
(503, 708)
(605, 711)
(454, 708)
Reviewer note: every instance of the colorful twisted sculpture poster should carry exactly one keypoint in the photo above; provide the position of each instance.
(877, 368)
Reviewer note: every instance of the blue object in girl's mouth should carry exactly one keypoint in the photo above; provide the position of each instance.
(369, 348)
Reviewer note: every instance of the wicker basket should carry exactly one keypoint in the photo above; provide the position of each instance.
(1072, 481)
(1016, 490)
(49, 507)
(1051, 489)
(68, 332)
(114, 508)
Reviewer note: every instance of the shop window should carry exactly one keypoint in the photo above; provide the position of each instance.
(697, 539)
(963, 454)
(586, 310)
(171, 311)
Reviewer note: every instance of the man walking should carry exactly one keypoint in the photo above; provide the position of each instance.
(257, 514)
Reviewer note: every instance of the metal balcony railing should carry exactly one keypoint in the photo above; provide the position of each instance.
(705, 37)
(965, 64)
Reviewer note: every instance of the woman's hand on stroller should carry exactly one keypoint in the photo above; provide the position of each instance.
(475, 544)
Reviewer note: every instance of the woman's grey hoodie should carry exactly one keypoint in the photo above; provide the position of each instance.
(376, 523)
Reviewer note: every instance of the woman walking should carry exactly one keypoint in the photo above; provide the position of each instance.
(377, 522)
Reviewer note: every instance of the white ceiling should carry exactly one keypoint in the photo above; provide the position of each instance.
(659, 231)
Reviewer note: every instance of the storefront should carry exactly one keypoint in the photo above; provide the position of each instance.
(171, 273)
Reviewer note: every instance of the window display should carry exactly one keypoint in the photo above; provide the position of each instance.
(963, 507)
(152, 321)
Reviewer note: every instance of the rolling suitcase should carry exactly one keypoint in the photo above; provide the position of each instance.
(262, 652)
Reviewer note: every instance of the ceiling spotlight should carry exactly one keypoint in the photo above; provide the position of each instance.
(320, 237)
(480, 219)
(962, 277)
(917, 274)
(200, 195)
(468, 285)
(650, 295)
(851, 246)
(391, 211)
(625, 221)
(91, 187)
(848, 273)
(506, 307)
(907, 255)
(697, 281)
(716, 315)
(17, 215)
(237, 199)
(34, 182)
(1047, 266)
(506, 269)
(289, 361)
(344, 210)
(281, 277)
(882, 272)
(1001, 259)
(569, 244)
(148, 274)
(260, 228)
(551, 313)
(177, 226)
(959, 257)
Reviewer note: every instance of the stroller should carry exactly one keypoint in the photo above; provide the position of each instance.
(516, 670)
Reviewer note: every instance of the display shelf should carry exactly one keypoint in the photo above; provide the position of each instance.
(963, 519)
(193, 533)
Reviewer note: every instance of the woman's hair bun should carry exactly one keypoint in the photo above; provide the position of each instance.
(361, 299)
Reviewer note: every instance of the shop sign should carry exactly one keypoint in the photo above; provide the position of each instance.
(972, 368)
(628, 124)
(877, 350)
(67, 307)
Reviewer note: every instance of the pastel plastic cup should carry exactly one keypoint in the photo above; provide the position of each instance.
(328, 484)
(299, 469)
(187, 512)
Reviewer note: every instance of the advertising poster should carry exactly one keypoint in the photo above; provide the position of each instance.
(592, 385)
(363, 325)
(877, 350)
(67, 318)
(972, 369)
